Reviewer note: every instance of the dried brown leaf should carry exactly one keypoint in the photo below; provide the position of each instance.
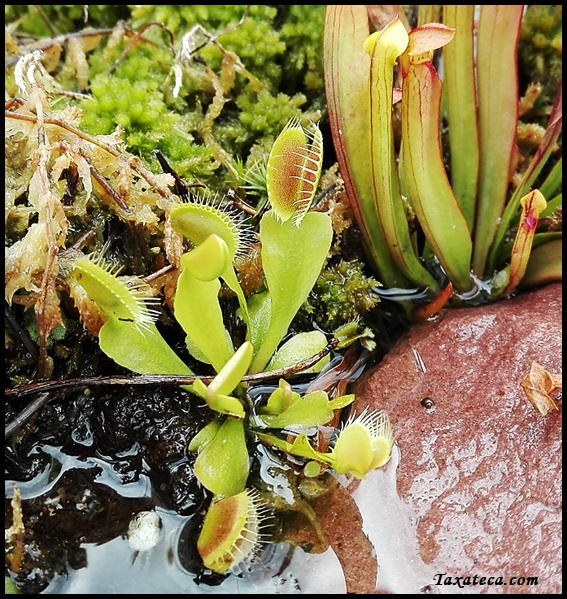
(76, 62)
(15, 534)
(89, 313)
(539, 386)
(47, 309)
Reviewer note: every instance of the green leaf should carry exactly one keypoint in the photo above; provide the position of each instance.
(544, 151)
(553, 205)
(554, 180)
(545, 265)
(347, 76)
(205, 435)
(230, 278)
(300, 447)
(460, 99)
(197, 309)
(232, 372)
(228, 378)
(341, 401)
(286, 408)
(431, 195)
(222, 466)
(140, 350)
(226, 404)
(280, 399)
(384, 47)
(292, 257)
(311, 410)
(497, 80)
(300, 347)
(260, 311)
(10, 587)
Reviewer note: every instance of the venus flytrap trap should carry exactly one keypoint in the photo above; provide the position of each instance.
(293, 170)
(295, 242)
(363, 444)
(130, 323)
(232, 530)
(197, 220)
(196, 305)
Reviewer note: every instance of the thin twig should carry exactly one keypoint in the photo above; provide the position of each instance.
(81, 241)
(137, 168)
(105, 185)
(46, 20)
(136, 37)
(20, 332)
(241, 204)
(159, 273)
(45, 44)
(169, 380)
(25, 414)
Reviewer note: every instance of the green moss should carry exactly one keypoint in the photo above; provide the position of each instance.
(303, 36)
(63, 18)
(140, 110)
(228, 107)
(342, 294)
(255, 41)
(540, 49)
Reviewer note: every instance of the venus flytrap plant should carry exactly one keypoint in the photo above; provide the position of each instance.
(295, 243)
(292, 258)
(196, 304)
(222, 465)
(197, 220)
(285, 408)
(363, 444)
(466, 209)
(228, 378)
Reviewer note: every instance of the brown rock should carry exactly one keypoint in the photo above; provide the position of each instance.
(474, 484)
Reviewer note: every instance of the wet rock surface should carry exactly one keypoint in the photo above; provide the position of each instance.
(477, 469)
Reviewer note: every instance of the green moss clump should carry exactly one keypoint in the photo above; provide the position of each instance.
(62, 18)
(303, 36)
(255, 41)
(540, 50)
(133, 98)
(342, 294)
